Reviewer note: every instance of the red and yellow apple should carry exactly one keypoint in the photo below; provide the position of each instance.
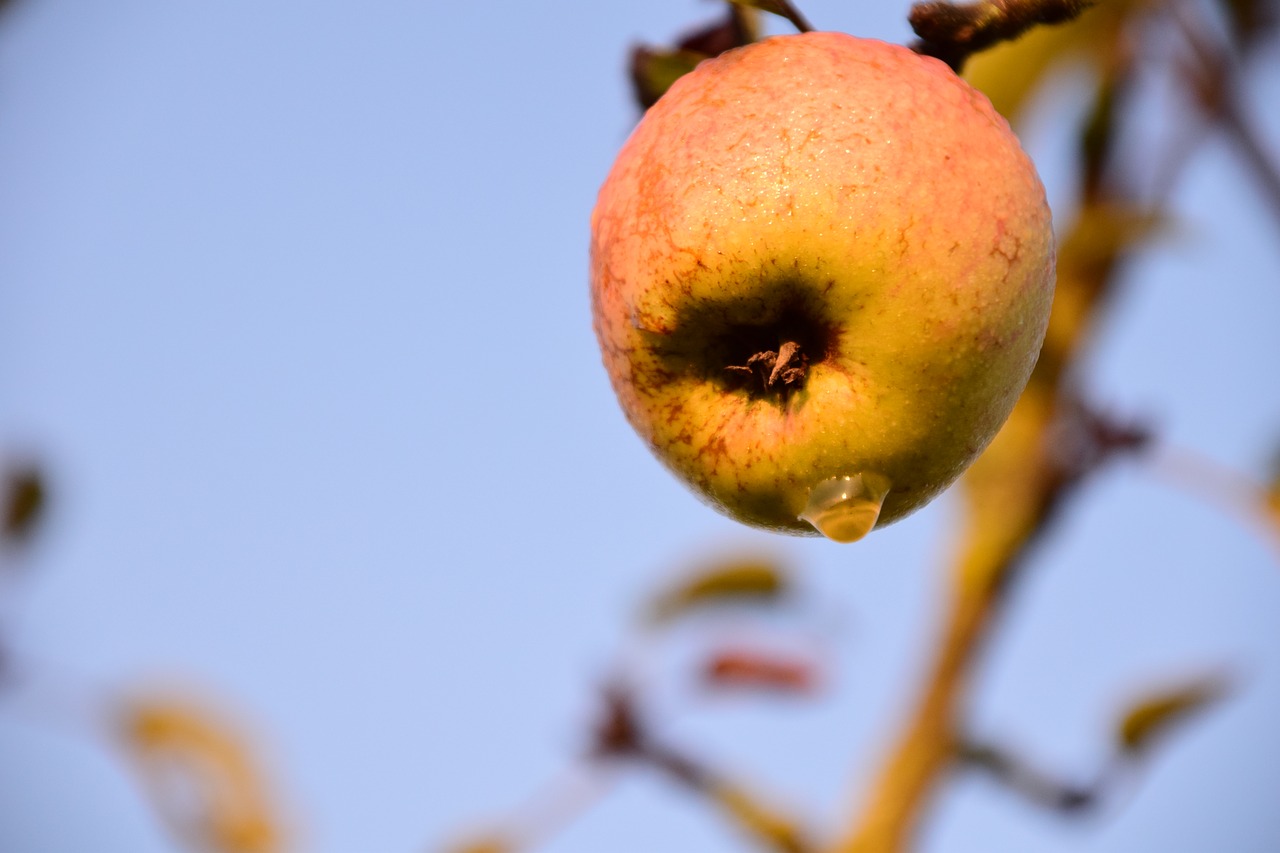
(821, 270)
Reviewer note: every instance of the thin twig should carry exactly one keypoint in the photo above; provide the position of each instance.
(622, 734)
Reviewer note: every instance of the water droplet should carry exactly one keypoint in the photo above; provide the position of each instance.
(844, 509)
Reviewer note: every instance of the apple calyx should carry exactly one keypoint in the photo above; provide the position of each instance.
(782, 371)
(764, 346)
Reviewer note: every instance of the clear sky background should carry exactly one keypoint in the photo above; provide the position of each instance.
(293, 305)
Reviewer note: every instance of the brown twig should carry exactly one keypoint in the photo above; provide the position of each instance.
(1020, 777)
(622, 734)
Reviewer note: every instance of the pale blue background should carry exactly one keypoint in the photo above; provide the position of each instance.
(293, 303)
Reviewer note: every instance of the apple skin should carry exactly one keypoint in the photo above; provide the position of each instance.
(847, 194)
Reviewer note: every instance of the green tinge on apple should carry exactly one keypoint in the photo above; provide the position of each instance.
(845, 509)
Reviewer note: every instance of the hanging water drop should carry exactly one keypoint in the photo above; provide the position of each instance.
(844, 509)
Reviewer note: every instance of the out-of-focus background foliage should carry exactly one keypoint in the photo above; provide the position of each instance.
(293, 319)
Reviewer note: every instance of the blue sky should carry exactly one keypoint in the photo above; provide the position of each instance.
(293, 305)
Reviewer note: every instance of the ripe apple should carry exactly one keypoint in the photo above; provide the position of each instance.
(821, 271)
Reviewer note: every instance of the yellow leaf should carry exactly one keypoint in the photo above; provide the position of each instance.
(1010, 72)
(747, 579)
(1154, 715)
(1087, 256)
(200, 776)
(1271, 498)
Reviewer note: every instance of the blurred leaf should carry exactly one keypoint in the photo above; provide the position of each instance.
(1016, 483)
(746, 668)
(1100, 238)
(1271, 497)
(1011, 71)
(483, 845)
(200, 776)
(24, 502)
(1153, 716)
(1098, 134)
(750, 579)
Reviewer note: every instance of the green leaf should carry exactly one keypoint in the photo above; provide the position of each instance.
(654, 71)
(1151, 717)
(750, 579)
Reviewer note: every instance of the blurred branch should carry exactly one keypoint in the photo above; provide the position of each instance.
(1142, 726)
(1035, 785)
(1210, 481)
(622, 734)
(1214, 78)
(953, 32)
(1014, 491)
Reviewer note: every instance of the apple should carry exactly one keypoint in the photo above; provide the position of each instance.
(821, 272)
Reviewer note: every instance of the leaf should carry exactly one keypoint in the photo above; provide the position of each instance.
(200, 776)
(1010, 72)
(1151, 717)
(24, 502)
(1098, 134)
(654, 70)
(747, 668)
(1099, 239)
(483, 845)
(750, 579)
(1271, 495)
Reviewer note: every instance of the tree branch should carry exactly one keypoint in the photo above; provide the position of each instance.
(953, 33)
(1215, 81)
(622, 734)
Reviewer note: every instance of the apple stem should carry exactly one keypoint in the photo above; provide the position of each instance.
(791, 13)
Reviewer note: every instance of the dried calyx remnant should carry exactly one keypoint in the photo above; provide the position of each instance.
(774, 371)
(764, 347)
